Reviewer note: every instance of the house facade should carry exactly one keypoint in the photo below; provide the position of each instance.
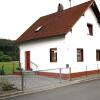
(67, 38)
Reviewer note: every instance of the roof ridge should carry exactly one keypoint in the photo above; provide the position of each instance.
(69, 8)
(56, 13)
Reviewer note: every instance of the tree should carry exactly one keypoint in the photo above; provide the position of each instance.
(8, 50)
(1, 53)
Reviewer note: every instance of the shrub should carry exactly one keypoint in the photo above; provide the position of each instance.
(6, 86)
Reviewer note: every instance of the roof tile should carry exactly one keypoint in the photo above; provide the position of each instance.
(59, 23)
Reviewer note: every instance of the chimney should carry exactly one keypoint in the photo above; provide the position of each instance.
(60, 7)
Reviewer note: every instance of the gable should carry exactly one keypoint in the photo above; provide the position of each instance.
(55, 24)
(80, 37)
(96, 11)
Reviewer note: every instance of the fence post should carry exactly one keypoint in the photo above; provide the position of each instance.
(22, 81)
(86, 71)
(60, 75)
(13, 68)
(70, 73)
(98, 69)
(22, 77)
(3, 72)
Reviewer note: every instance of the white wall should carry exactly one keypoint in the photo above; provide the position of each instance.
(79, 38)
(67, 47)
(40, 53)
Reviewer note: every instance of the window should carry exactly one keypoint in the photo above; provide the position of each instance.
(53, 55)
(38, 28)
(97, 55)
(90, 29)
(79, 55)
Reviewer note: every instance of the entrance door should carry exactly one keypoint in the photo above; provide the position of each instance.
(27, 60)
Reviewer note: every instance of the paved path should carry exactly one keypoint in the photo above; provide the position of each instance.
(82, 91)
(32, 82)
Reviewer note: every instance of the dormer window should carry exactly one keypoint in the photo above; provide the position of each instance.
(90, 29)
(38, 28)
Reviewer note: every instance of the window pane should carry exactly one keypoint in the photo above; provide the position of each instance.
(79, 54)
(90, 28)
(53, 55)
(98, 55)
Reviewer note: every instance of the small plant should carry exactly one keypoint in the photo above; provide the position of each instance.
(6, 86)
(2, 70)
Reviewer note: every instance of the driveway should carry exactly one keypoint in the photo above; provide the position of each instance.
(32, 82)
(82, 91)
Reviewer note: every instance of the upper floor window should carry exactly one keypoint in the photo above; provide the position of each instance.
(53, 55)
(97, 55)
(90, 29)
(79, 54)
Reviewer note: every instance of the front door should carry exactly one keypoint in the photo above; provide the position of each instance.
(27, 60)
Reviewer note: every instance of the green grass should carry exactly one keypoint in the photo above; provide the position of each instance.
(9, 67)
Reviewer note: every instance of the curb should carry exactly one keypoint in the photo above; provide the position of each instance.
(21, 93)
(8, 95)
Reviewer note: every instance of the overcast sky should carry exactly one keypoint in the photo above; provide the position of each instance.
(17, 15)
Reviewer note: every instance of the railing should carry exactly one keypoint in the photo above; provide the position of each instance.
(59, 73)
(33, 64)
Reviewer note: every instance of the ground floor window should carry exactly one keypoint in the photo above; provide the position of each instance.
(79, 54)
(97, 55)
(53, 54)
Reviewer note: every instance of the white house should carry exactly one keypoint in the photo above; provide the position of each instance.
(66, 37)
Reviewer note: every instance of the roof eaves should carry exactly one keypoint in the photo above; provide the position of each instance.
(42, 38)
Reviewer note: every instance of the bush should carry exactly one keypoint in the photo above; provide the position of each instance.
(2, 72)
(6, 86)
(5, 58)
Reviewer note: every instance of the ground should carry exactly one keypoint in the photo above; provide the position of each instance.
(82, 91)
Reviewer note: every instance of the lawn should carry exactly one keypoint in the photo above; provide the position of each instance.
(9, 67)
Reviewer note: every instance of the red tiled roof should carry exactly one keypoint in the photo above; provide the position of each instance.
(55, 24)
